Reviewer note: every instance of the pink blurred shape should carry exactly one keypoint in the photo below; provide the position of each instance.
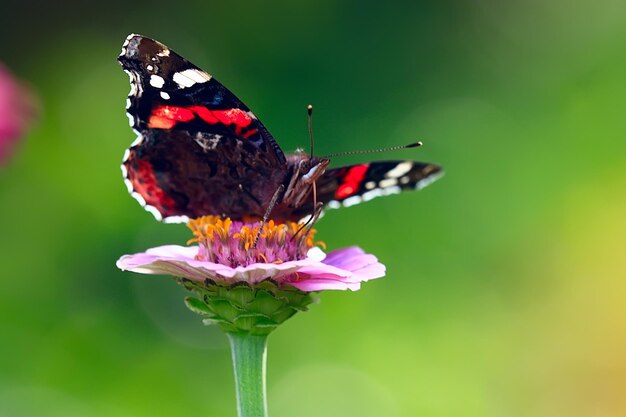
(18, 108)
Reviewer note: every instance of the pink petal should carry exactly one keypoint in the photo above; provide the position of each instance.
(315, 284)
(339, 257)
(364, 266)
(180, 261)
(342, 269)
(174, 251)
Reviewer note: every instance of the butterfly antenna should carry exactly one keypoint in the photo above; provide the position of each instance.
(312, 218)
(390, 148)
(310, 119)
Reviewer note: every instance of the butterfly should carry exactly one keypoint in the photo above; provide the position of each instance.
(199, 150)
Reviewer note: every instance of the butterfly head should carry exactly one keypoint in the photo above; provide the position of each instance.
(313, 168)
(307, 168)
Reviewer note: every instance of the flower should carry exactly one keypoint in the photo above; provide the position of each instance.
(233, 267)
(226, 254)
(17, 109)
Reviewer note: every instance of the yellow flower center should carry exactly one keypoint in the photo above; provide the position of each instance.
(222, 240)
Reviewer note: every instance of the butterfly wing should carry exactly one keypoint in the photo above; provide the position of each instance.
(353, 184)
(199, 149)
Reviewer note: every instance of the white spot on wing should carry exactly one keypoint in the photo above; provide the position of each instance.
(149, 67)
(157, 215)
(351, 201)
(157, 81)
(400, 169)
(405, 180)
(388, 182)
(164, 95)
(128, 38)
(125, 157)
(428, 180)
(133, 83)
(129, 185)
(125, 44)
(370, 184)
(208, 143)
(189, 77)
(380, 192)
(392, 190)
(333, 204)
(138, 197)
(137, 141)
(164, 52)
(176, 219)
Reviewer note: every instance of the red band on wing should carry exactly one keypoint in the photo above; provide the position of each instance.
(166, 117)
(251, 132)
(351, 181)
(144, 181)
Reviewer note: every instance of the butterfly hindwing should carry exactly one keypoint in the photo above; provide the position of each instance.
(353, 184)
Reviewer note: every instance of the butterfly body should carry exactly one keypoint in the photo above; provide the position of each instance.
(200, 150)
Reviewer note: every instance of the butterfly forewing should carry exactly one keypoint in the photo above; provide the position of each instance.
(169, 92)
(199, 149)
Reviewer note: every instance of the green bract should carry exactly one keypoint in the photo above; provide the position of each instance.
(243, 308)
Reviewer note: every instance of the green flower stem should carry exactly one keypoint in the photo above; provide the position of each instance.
(249, 353)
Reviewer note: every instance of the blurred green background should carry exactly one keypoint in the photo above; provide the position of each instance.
(506, 290)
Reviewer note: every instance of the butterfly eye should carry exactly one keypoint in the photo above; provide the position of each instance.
(305, 165)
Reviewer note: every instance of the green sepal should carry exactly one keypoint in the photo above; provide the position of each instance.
(197, 306)
(244, 308)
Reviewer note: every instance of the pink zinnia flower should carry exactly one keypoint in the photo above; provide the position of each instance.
(225, 255)
(252, 287)
(17, 109)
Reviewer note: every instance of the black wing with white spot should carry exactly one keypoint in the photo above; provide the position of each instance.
(350, 185)
(169, 92)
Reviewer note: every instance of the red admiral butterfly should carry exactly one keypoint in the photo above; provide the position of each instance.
(200, 150)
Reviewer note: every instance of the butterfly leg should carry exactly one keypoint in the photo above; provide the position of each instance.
(268, 211)
(308, 225)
